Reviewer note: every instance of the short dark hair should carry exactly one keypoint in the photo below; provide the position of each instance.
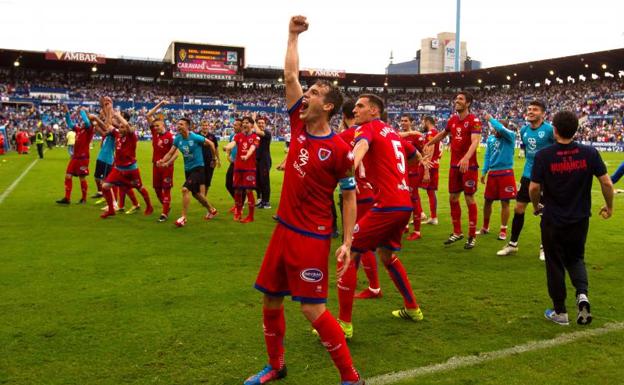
(538, 103)
(566, 124)
(187, 120)
(376, 100)
(429, 119)
(347, 108)
(238, 120)
(333, 96)
(249, 119)
(467, 95)
(409, 116)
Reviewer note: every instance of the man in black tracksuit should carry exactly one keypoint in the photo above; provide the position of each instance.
(564, 173)
(263, 160)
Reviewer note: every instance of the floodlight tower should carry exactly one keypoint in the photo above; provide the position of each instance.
(457, 38)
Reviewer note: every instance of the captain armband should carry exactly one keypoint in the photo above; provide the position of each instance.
(347, 183)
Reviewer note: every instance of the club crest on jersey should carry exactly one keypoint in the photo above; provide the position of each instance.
(311, 275)
(466, 125)
(541, 134)
(324, 154)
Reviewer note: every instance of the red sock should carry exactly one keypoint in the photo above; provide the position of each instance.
(251, 203)
(274, 326)
(83, 188)
(433, 203)
(472, 219)
(332, 337)
(166, 201)
(399, 277)
(417, 209)
(238, 202)
(159, 194)
(132, 195)
(98, 183)
(108, 195)
(146, 197)
(369, 264)
(346, 290)
(456, 217)
(68, 188)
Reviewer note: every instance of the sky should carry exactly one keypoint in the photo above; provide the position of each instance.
(356, 36)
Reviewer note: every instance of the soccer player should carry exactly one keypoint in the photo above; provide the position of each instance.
(244, 182)
(125, 173)
(263, 160)
(190, 145)
(535, 135)
(162, 177)
(564, 173)
(229, 175)
(105, 159)
(210, 160)
(465, 131)
(296, 260)
(498, 166)
(414, 175)
(430, 175)
(79, 162)
(382, 152)
(365, 197)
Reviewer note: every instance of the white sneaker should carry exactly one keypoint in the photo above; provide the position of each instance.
(542, 257)
(507, 250)
(431, 221)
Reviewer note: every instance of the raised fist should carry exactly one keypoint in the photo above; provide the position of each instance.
(298, 24)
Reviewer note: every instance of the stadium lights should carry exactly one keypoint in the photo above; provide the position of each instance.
(515, 74)
(586, 65)
(335, 82)
(594, 77)
(385, 84)
(433, 83)
(547, 82)
(551, 72)
(508, 77)
(16, 63)
(280, 80)
(354, 81)
(604, 66)
(608, 75)
(94, 69)
(582, 77)
(162, 73)
(479, 81)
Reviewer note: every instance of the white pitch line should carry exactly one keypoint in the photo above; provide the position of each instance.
(464, 361)
(14, 184)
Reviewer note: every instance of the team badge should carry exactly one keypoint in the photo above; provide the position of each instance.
(324, 154)
(182, 54)
(541, 134)
(466, 125)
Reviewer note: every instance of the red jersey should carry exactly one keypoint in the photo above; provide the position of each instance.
(385, 165)
(417, 140)
(161, 144)
(437, 152)
(365, 191)
(313, 168)
(84, 135)
(460, 132)
(243, 144)
(125, 148)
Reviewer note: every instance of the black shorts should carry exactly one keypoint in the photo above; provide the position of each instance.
(102, 169)
(208, 172)
(523, 191)
(194, 179)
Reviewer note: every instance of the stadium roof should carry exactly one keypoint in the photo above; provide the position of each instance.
(531, 72)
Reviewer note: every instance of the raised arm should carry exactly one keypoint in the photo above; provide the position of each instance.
(150, 118)
(505, 132)
(436, 139)
(294, 91)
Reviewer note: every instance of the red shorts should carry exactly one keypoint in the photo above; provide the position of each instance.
(162, 177)
(125, 178)
(244, 179)
(434, 176)
(501, 185)
(363, 206)
(381, 229)
(78, 167)
(466, 182)
(295, 265)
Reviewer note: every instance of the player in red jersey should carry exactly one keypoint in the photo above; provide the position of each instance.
(296, 260)
(246, 143)
(125, 173)
(430, 175)
(162, 177)
(365, 196)
(414, 172)
(383, 153)
(79, 163)
(465, 131)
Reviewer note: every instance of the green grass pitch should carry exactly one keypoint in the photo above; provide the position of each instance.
(131, 301)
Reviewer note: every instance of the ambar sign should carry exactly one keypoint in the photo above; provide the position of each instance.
(320, 73)
(81, 57)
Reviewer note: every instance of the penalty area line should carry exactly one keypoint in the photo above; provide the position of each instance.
(465, 361)
(13, 185)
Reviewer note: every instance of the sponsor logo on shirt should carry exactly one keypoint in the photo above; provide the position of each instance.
(470, 183)
(302, 160)
(509, 189)
(532, 144)
(311, 275)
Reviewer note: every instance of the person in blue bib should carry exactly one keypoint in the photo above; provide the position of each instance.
(190, 145)
(535, 135)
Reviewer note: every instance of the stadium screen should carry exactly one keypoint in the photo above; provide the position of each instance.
(211, 62)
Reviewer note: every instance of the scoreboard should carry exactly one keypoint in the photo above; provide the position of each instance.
(207, 62)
